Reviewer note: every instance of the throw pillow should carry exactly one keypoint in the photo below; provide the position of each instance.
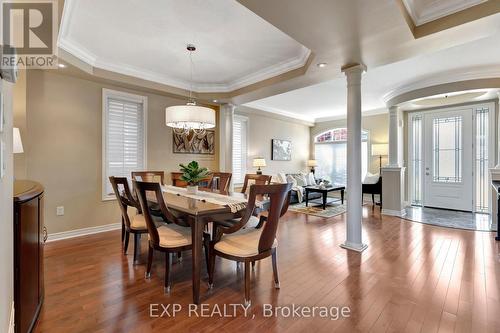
(282, 178)
(310, 179)
(371, 178)
(290, 179)
(301, 180)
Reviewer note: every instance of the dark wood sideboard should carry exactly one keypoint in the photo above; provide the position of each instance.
(29, 239)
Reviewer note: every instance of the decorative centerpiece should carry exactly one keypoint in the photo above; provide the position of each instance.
(193, 175)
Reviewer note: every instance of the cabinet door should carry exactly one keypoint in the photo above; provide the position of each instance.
(29, 257)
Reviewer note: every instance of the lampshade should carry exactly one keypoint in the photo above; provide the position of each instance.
(312, 163)
(380, 149)
(259, 162)
(18, 144)
(190, 116)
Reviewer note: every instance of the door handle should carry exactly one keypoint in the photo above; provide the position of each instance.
(427, 173)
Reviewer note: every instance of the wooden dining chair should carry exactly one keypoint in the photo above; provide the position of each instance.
(149, 176)
(168, 238)
(131, 224)
(254, 179)
(224, 180)
(250, 244)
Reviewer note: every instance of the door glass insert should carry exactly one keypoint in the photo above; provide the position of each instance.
(447, 149)
(416, 160)
(482, 161)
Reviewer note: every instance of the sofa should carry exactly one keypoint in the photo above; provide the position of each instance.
(294, 197)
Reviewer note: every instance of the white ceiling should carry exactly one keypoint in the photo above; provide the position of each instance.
(235, 47)
(423, 11)
(477, 59)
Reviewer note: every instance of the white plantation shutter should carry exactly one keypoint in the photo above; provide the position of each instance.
(239, 149)
(123, 135)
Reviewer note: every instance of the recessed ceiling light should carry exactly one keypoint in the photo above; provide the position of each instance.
(61, 65)
(322, 64)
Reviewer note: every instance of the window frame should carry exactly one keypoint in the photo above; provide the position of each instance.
(333, 142)
(129, 97)
(244, 159)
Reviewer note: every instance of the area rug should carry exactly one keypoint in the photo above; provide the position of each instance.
(330, 211)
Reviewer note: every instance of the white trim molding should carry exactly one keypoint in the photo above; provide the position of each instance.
(12, 319)
(82, 232)
(443, 78)
(390, 212)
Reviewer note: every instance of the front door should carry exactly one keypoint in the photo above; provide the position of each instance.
(448, 159)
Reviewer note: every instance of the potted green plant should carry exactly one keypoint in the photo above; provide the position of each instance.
(193, 174)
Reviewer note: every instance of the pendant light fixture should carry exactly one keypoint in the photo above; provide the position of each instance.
(190, 117)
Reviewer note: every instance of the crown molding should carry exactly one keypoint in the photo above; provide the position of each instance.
(84, 55)
(437, 10)
(367, 113)
(279, 114)
(444, 78)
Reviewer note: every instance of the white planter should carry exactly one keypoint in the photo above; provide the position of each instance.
(192, 189)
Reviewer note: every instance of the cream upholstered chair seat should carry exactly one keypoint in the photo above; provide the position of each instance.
(243, 243)
(173, 235)
(137, 222)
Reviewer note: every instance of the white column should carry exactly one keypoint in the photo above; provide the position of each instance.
(226, 117)
(395, 137)
(354, 199)
(393, 175)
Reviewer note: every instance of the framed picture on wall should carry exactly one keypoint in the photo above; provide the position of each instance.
(281, 150)
(2, 116)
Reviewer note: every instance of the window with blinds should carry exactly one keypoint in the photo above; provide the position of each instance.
(240, 128)
(124, 136)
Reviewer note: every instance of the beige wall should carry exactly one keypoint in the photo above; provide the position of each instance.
(63, 147)
(377, 125)
(263, 128)
(6, 217)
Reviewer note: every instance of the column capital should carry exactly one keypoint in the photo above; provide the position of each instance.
(229, 106)
(393, 109)
(353, 68)
(353, 73)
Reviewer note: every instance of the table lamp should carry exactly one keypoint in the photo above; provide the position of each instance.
(312, 164)
(259, 162)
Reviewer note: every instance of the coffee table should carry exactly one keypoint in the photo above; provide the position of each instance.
(324, 191)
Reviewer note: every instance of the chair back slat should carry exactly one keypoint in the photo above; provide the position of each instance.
(123, 196)
(149, 176)
(277, 194)
(257, 180)
(224, 180)
(143, 188)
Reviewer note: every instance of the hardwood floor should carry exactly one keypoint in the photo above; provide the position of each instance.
(412, 278)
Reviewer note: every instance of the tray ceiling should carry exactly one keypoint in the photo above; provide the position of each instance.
(423, 11)
(235, 47)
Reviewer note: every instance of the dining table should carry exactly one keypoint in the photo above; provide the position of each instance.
(198, 213)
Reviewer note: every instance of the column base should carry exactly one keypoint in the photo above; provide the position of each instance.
(401, 213)
(354, 247)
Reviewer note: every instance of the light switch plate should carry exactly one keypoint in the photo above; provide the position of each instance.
(60, 211)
